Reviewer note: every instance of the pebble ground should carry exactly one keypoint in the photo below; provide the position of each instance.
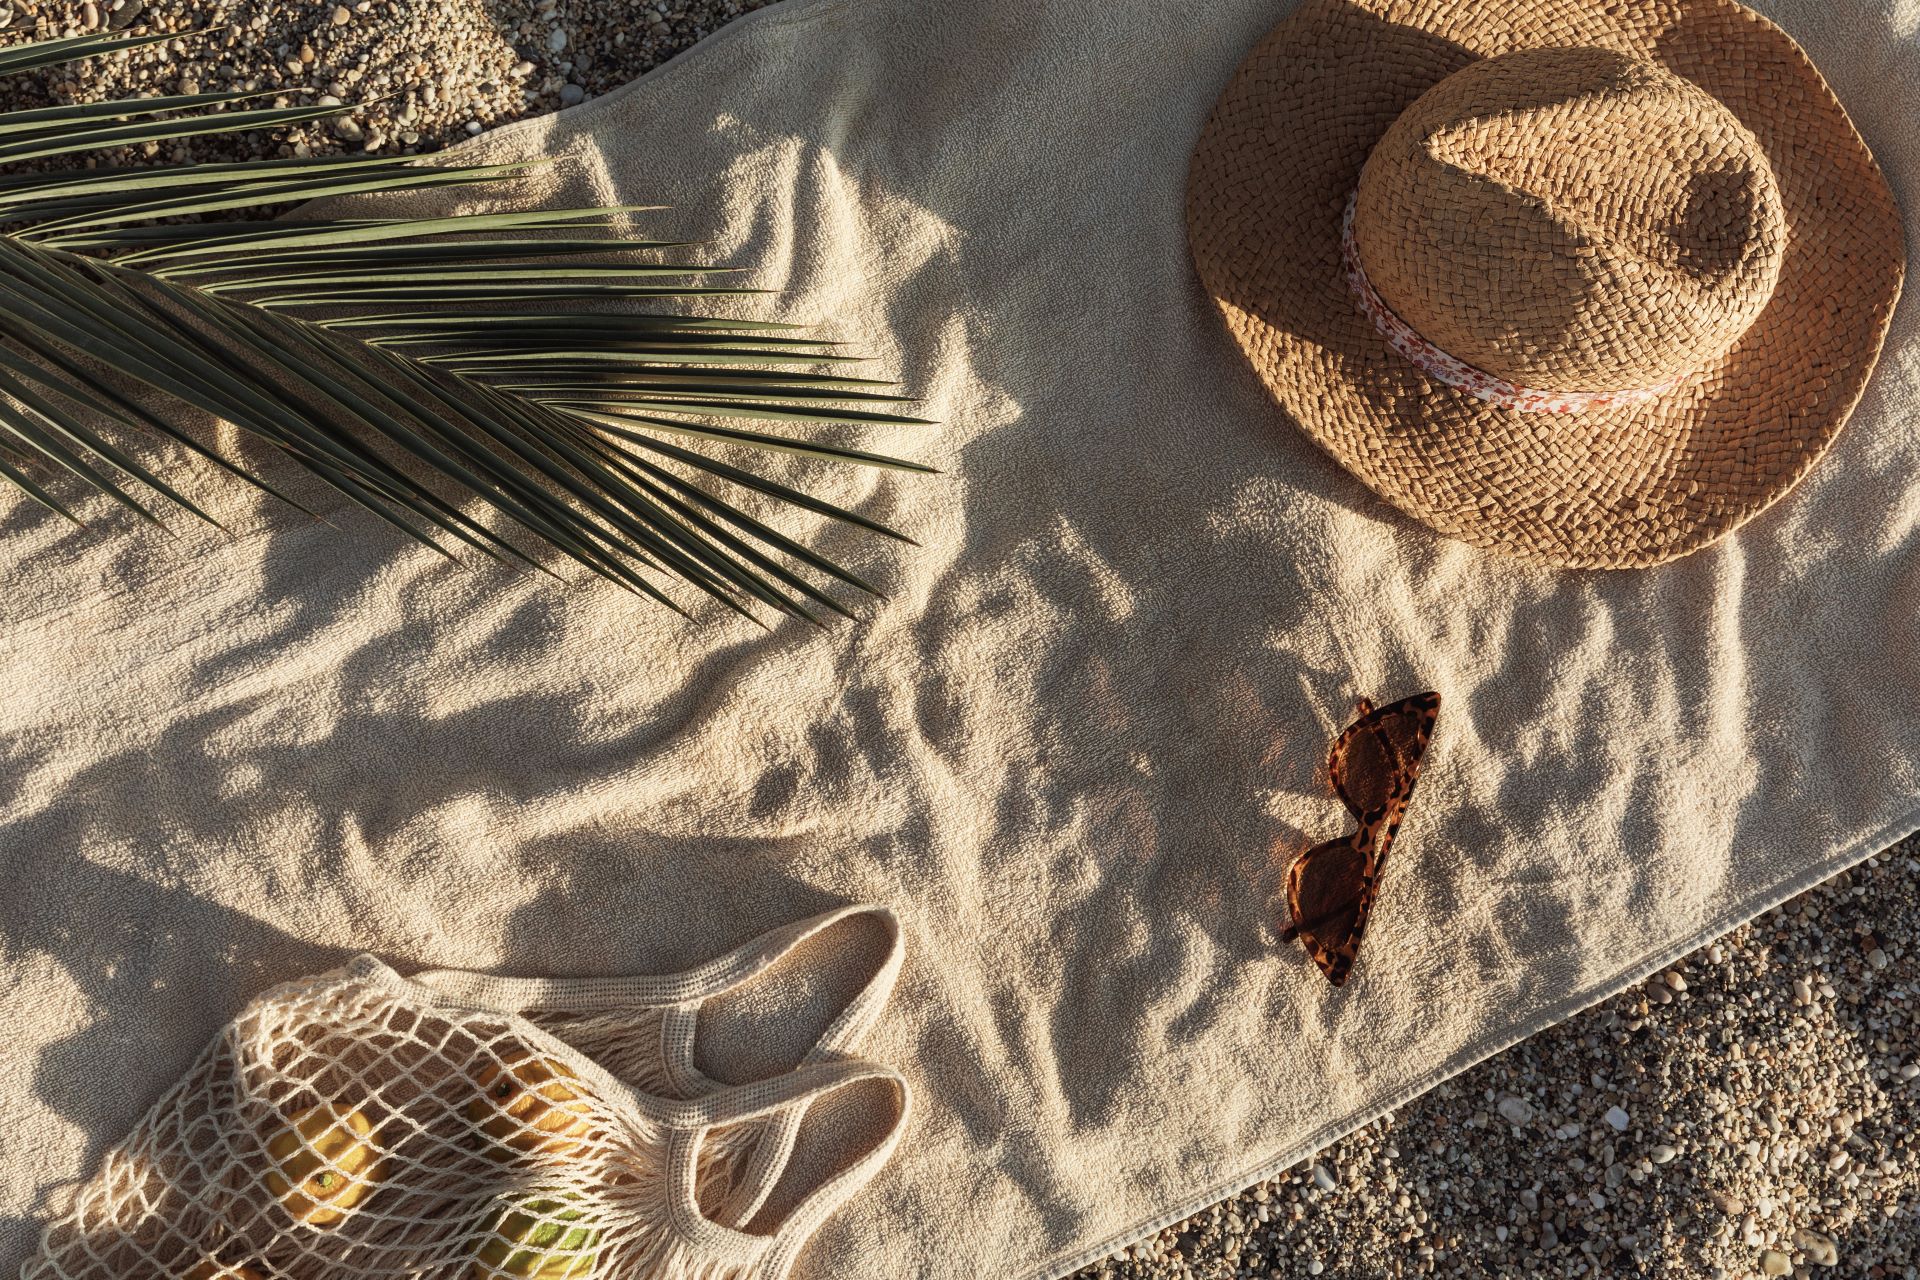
(1755, 1111)
(423, 73)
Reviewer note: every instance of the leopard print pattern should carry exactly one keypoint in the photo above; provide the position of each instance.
(1370, 843)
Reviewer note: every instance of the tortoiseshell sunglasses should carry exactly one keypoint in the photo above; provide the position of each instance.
(1331, 887)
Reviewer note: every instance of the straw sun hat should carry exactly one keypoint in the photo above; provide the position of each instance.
(1590, 282)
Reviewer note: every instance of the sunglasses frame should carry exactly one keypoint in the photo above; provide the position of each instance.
(1371, 841)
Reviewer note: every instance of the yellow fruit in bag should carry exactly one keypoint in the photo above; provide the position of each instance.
(324, 1162)
(539, 1238)
(531, 1104)
(211, 1270)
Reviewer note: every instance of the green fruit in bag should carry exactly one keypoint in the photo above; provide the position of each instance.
(539, 1237)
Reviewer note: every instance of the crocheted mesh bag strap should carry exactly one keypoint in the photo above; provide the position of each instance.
(644, 1030)
(772, 1254)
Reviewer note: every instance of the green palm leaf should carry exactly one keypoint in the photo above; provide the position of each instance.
(415, 365)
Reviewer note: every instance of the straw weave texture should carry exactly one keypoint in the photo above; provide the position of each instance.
(1576, 196)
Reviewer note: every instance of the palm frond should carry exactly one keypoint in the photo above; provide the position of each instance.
(414, 365)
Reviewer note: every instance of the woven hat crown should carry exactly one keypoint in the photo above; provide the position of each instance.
(1572, 219)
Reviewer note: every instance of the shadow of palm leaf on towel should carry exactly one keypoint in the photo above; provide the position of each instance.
(496, 357)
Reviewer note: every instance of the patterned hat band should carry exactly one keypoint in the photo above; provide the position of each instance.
(1457, 373)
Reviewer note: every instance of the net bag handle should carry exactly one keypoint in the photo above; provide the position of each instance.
(682, 994)
(496, 994)
(792, 1094)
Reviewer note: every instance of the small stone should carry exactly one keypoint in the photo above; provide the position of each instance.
(1675, 981)
(307, 54)
(342, 15)
(1617, 1118)
(1530, 1200)
(1775, 1263)
(1549, 1238)
(1662, 1154)
(572, 95)
(1315, 1267)
(1515, 1111)
(348, 130)
(1820, 1249)
(557, 40)
(1802, 991)
(1911, 1071)
(474, 127)
(1877, 959)
(522, 70)
(1658, 993)
(1323, 1178)
(90, 16)
(327, 100)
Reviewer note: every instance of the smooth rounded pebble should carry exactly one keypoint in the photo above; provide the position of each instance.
(1820, 1249)
(1617, 1117)
(1775, 1263)
(1515, 1111)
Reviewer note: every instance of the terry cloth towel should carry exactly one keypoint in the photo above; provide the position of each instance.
(1064, 750)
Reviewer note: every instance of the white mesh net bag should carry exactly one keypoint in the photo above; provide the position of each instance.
(359, 1124)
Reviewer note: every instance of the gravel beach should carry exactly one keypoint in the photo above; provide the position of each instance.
(1751, 1112)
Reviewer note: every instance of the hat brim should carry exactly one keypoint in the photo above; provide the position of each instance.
(1619, 487)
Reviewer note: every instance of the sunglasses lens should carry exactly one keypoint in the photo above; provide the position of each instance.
(1373, 753)
(1323, 892)
(1363, 771)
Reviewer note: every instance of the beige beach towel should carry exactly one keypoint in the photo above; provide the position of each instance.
(1063, 750)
